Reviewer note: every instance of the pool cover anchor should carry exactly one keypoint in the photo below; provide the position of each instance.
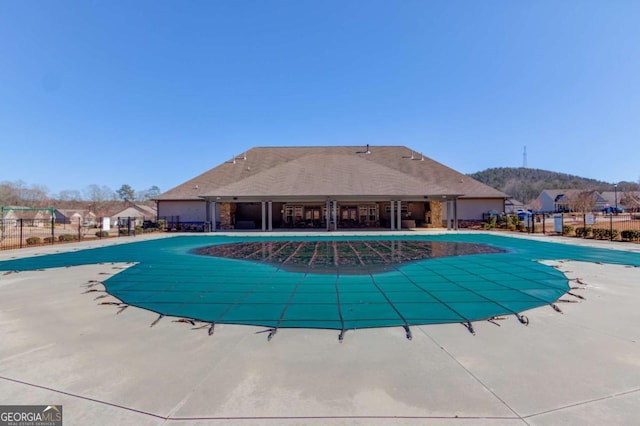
(469, 327)
(211, 326)
(92, 283)
(493, 320)
(556, 308)
(523, 319)
(94, 290)
(341, 335)
(156, 321)
(576, 295)
(407, 331)
(185, 320)
(272, 332)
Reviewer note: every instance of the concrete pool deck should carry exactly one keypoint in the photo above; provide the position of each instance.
(60, 347)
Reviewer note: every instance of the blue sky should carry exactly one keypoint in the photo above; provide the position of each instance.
(156, 92)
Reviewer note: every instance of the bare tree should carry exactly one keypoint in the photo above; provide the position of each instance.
(148, 194)
(583, 201)
(98, 196)
(18, 193)
(8, 194)
(70, 195)
(631, 200)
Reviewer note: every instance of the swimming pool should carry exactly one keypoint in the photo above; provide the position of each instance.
(332, 282)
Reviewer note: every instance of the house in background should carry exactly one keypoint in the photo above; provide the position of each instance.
(136, 213)
(75, 216)
(29, 216)
(627, 200)
(329, 187)
(512, 206)
(560, 200)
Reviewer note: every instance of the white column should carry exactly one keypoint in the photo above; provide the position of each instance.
(393, 215)
(455, 214)
(264, 216)
(207, 214)
(327, 210)
(270, 215)
(214, 205)
(399, 215)
(335, 215)
(448, 215)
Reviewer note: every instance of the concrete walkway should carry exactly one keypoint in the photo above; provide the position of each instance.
(60, 347)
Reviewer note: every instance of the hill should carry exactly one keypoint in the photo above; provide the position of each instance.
(526, 184)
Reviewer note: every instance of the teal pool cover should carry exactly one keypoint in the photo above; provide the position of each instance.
(330, 282)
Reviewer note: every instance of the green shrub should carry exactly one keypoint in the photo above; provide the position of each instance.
(49, 240)
(605, 234)
(102, 234)
(567, 229)
(511, 227)
(630, 234)
(584, 232)
(32, 241)
(513, 219)
(66, 237)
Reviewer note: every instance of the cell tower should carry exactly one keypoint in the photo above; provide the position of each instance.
(524, 158)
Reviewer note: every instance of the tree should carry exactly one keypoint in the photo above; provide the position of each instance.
(582, 202)
(98, 194)
(148, 194)
(69, 195)
(18, 193)
(153, 192)
(126, 193)
(630, 200)
(8, 194)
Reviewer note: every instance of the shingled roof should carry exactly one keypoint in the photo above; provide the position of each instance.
(330, 171)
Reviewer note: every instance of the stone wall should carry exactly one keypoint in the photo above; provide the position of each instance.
(227, 215)
(433, 218)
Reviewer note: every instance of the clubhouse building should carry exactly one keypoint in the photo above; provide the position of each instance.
(331, 187)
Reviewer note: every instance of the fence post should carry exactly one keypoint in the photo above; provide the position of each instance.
(53, 234)
(611, 227)
(21, 232)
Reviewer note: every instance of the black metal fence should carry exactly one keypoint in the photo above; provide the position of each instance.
(21, 233)
(132, 226)
(613, 227)
(174, 224)
(18, 233)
